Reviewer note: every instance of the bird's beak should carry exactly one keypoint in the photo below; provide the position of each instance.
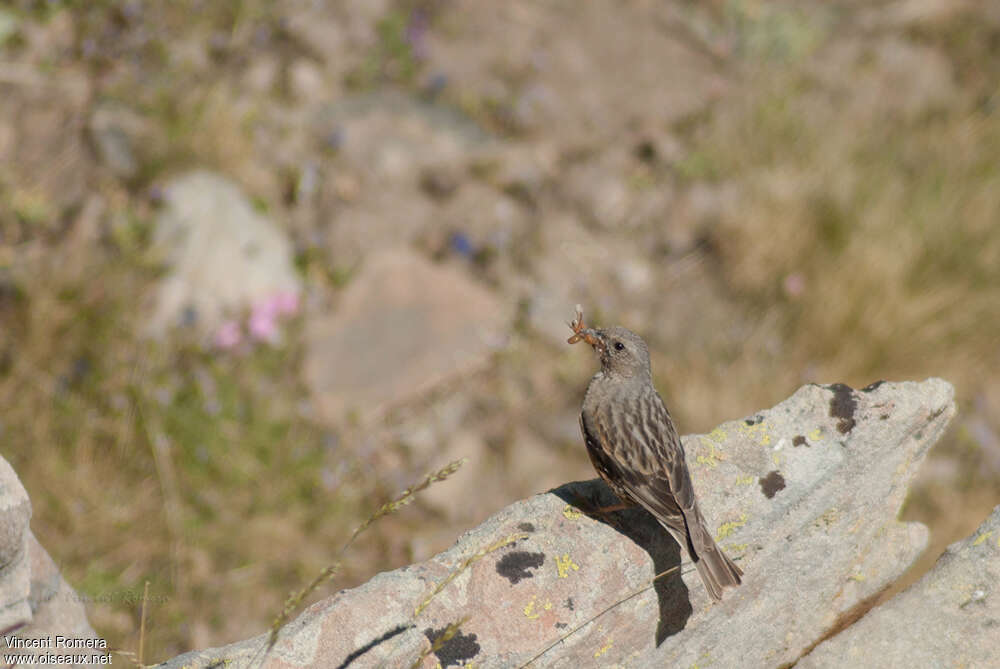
(595, 338)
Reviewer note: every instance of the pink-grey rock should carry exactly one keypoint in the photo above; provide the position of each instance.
(950, 618)
(402, 326)
(804, 496)
(15, 579)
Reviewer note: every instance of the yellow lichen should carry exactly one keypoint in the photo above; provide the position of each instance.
(829, 517)
(759, 431)
(981, 538)
(728, 528)
(531, 613)
(529, 610)
(712, 459)
(564, 564)
(571, 513)
(605, 648)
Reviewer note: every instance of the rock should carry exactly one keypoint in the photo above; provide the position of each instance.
(306, 80)
(948, 618)
(575, 267)
(444, 497)
(804, 496)
(387, 143)
(15, 579)
(910, 14)
(48, 168)
(35, 601)
(616, 67)
(403, 326)
(223, 255)
(114, 133)
(920, 77)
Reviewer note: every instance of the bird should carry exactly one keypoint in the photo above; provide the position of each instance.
(633, 445)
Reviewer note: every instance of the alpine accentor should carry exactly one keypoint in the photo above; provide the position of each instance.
(634, 446)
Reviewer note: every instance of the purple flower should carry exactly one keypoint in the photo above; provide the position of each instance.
(416, 31)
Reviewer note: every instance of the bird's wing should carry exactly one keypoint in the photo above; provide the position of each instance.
(653, 470)
(599, 457)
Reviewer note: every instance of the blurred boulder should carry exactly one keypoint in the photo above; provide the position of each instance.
(35, 601)
(393, 150)
(116, 133)
(402, 326)
(804, 496)
(223, 255)
(44, 158)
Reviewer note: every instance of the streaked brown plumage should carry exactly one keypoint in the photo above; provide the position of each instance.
(634, 446)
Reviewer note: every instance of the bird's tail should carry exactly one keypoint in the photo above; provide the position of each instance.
(717, 571)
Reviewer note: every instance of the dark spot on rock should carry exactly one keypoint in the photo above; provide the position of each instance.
(514, 566)
(526, 527)
(772, 483)
(799, 440)
(560, 626)
(457, 649)
(884, 416)
(842, 406)
(569, 603)
(753, 420)
(872, 386)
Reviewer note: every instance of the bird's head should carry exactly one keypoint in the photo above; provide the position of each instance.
(622, 352)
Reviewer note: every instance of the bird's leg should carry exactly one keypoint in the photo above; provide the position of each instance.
(591, 509)
(612, 508)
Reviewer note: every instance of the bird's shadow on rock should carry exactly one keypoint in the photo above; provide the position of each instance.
(641, 527)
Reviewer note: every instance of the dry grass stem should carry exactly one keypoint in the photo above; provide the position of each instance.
(449, 633)
(401, 500)
(465, 564)
(142, 622)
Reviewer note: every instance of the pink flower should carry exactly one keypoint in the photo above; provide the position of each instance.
(262, 324)
(794, 285)
(229, 335)
(286, 303)
(264, 316)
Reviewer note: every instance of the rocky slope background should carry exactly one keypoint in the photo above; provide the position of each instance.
(263, 264)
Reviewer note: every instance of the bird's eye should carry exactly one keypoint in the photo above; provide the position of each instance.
(619, 346)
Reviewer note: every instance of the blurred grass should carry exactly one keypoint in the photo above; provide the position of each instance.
(192, 469)
(866, 235)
